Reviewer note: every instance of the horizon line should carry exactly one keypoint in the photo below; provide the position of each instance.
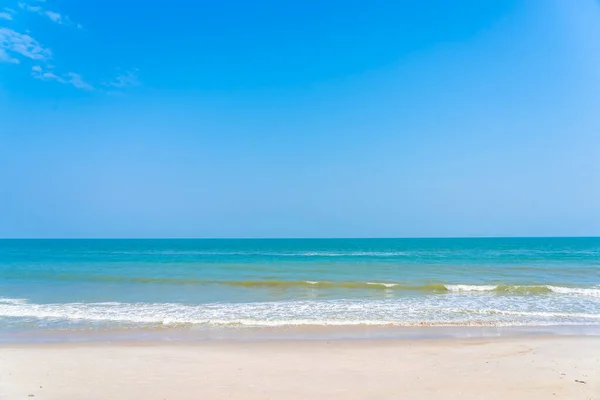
(302, 238)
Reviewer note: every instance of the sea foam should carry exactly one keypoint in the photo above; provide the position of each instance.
(410, 311)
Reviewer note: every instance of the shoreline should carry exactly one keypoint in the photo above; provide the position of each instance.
(525, 367)
(294, 333)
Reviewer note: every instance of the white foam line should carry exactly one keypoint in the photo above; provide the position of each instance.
(575, 291)
(471, 288)
(7, 300)
(332, 312)
(387, 285)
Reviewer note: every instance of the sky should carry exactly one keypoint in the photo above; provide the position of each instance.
(299, 119)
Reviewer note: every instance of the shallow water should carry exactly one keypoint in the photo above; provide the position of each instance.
(115, 284)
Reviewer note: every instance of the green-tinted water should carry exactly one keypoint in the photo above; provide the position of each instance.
(115, 283)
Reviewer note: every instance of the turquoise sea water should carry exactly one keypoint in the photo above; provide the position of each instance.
(116, 284)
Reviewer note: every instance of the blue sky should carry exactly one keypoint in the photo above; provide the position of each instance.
(299, 119)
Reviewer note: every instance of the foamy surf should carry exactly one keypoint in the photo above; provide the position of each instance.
(525, 289)
(225, 283)
(5, 300)
(385, 285)
(470, 288)
(411, 311)
(575, 291)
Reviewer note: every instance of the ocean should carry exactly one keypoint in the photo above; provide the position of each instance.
(115, 285)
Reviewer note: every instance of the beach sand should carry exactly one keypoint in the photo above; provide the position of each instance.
(527, 367)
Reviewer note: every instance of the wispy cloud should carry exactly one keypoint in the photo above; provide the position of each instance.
(7, 14)
(45, 75)
(22, 48)
(27, 7)
(51, 15)
(71, 78)
(127, 79)
(54, 16)
(78, 82)
(14, 45)
(12, 42)
(6, 58)
(39, 73)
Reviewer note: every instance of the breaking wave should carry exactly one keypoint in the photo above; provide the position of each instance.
(411, 311)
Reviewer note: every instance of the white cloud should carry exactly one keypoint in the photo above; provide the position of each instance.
(127, 79)
(27, 7)
(78, 82)
(16, 48)
(7, 14)
(49, 76)
(14, 42)
(56, 17)
(51, 15)
(39, 73)
(4, 57)
(70, 78)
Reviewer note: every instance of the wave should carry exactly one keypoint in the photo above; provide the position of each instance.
(501, 289)
(570, 290)
(6, 300)
(244, 283)
(526, 289)
(327, 285)
(470, 288)
(326, 312)
(385, 285)
(267, 253)
(434, 288)
(437, 253)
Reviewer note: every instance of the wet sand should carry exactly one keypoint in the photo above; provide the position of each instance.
(527, 367)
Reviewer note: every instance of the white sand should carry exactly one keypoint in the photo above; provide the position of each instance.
(510, 368)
